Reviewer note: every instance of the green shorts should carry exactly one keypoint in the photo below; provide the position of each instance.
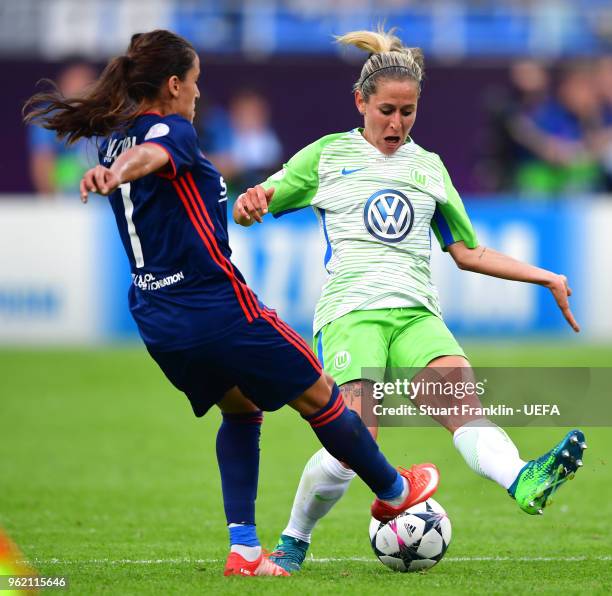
(383, 338)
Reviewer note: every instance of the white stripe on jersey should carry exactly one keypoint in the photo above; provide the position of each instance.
(377, 214)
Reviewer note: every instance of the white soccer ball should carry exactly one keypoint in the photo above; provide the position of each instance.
(416, 539)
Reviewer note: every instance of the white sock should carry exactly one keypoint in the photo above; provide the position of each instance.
(489, 451)
(250, 553)
(323, 482)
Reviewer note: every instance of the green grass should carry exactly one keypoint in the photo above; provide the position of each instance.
(106, 477)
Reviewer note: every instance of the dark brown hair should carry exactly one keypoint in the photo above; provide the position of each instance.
(116, 97)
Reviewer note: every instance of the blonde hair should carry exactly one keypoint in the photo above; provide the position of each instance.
(389, 58)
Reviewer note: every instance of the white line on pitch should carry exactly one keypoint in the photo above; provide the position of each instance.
(310, 560)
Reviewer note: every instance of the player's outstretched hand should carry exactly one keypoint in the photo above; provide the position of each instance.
(99, 179)
(253, 204)
(561, 292)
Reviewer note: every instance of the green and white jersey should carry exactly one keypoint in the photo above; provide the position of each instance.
(375, 213)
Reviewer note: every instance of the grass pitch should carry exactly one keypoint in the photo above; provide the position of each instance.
(106, 477)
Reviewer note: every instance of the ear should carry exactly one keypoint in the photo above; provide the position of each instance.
(360, 102)
(174, 85)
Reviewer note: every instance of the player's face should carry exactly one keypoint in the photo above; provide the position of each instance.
(189, 92)
(389, 114)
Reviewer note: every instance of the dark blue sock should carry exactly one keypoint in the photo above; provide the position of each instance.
(243, 534)
(238, 458)
(346, 437)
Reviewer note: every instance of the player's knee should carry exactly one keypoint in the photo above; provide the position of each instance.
(317, 396)
(329, 380)
(235, 402)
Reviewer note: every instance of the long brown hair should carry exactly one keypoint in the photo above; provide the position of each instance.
(116, 97)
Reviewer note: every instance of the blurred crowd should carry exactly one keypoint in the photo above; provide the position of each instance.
(549, 133)
(238, 139)
(56, 168)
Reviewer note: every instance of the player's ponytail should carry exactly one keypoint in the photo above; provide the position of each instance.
(389, 58)
(117, 96)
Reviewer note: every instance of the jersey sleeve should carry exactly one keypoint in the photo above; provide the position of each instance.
(297, 183)
(177, 137)
(450, 221)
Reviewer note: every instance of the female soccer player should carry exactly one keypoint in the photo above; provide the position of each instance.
(199, 320)
(377, 194)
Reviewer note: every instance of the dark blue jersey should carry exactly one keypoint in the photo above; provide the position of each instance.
(173, 225)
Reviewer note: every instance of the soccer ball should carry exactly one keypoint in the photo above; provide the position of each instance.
(416, 539)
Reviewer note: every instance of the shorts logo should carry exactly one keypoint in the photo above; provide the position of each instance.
(342, 360)
(388, 215)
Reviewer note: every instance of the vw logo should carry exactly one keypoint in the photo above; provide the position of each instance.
(388, 215)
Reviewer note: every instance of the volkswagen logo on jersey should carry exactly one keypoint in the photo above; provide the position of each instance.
(388, 215)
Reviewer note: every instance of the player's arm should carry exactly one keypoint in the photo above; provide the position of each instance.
(252, 205)
(456, 235)
(131, 165)
(292, 188)
(485, 260)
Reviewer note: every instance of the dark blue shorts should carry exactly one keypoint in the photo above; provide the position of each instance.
(266, 359)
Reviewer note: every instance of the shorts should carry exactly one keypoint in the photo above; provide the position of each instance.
(266, 359)
(383, 338)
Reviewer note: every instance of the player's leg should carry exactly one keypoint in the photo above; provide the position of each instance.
(341, 347)
(273, 366)
(323, 483)
(200, 374)
(423, 343)
(342, 432)
(238, 459)
(325, 479)
(490, 452)
(485, 447)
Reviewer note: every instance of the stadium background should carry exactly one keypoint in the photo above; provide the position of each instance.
(71, 369)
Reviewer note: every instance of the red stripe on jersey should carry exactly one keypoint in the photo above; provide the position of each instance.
(298, 339)
(205, 239)
(306, 352)
(292, 332)
(242, 288)
(245, 288)
(191, 181)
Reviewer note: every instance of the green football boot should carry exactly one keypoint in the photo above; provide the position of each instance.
(289, 553)
(541, 477)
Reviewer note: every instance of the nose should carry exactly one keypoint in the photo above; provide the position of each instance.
(395, 121)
